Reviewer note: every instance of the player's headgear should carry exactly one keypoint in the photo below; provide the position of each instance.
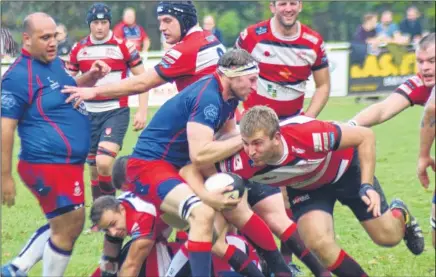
(98, 11)
(183, 11)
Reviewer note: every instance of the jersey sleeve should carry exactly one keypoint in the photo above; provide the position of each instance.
(239, 164)
(175, 64)
(410, 89)
(317, 136)
(205, 109)
(131, 55)
(145, 227)
(73, 64)
(245, 41)
(15, 96)
(321, 56)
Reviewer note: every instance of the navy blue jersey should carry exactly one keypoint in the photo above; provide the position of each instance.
(165, 136)
(51, 131)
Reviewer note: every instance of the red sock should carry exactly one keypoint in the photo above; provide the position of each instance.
(105, 183)
(95, 189)
(259, 233)
(346, 266)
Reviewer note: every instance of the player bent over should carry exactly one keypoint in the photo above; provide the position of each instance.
(53, 152)
(427, 136)
(321, 163)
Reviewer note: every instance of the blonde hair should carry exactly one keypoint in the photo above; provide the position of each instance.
(259, 118)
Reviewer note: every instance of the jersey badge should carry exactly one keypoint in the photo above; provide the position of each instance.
(77, 189)
(261, 30)
(210, 38)
(164, 64)
(8, 100)
(271, 91)
(53, 84)
(211, 113)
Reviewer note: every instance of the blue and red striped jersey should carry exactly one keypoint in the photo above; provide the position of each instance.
(51, 131)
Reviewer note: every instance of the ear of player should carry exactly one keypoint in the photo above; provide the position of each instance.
(221, 180)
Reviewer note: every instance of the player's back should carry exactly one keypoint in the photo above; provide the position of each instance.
(285, 65)
(191, 59)
(47, 125)
(165, 136)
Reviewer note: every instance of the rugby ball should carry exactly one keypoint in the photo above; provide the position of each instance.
(221, 180)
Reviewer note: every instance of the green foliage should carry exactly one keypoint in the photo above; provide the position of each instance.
(334, 20)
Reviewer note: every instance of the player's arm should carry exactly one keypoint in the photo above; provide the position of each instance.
(322, 92)
(98, 70)
(141, 114)
(382, 111)
(203, 150)
(321, 76)
(138, 252)
(14, 101)
(427, 136)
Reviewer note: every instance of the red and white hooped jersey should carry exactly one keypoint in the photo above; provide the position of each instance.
(310, 159)
(195, 56)
(143, 219)
(119, 54)
(415, 91)
(285, 65)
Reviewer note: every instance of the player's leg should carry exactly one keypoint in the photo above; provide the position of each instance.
(112, 133)
(433, 219)
(60, 191)
(96, 123)
(230, 254)
(268, 203)
(255, 229)
(396, 221)
(160, 183)
(313, 211)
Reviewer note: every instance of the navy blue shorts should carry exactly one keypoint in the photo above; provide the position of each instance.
(346, 190)
(257, 192)
(109, 126)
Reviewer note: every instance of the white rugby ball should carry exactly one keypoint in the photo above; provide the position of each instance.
(221, 180)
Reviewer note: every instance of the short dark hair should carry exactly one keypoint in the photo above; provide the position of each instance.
(119, 171)
(368, 16)
(102, 204)
(235, 58)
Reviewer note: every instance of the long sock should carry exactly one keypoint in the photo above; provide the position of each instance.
(200, 258)
(33, 250)
(95, 189)
(55, 260)
(178, 262)
(241, 263)
(262, 239)
(105, 184)
(293, 241)
(401, 215)
(346, 266)
(286, 252)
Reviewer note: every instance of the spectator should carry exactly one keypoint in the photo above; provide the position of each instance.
(364, 39)
(387, 31)
(209, 25)
(8, 46)
(411, 25)
(128, 29)
(64, 42)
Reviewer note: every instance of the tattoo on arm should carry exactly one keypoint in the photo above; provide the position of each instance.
(431, 122)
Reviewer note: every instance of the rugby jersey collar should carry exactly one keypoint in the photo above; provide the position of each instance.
(285, 38)
(103, 41)
(285, 152)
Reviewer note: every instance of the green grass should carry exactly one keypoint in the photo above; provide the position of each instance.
(397, 148)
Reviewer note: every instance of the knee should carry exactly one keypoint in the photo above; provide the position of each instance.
(104, 166)
(202, 215)
(321, 244)
(387, 236)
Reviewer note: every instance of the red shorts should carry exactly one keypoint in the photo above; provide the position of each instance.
(58, 187)
(152, 180)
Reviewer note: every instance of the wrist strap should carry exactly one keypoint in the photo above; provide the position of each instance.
(364, 189)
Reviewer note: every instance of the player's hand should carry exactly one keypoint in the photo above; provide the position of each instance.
(421, 170)
(99, 69)
(78, 95)
(140, 120)
(372, 199)
(218, 201)
(8, 191)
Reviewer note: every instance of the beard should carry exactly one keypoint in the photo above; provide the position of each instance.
(286, 25)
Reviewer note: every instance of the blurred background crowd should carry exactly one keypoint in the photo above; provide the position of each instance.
(367, 26)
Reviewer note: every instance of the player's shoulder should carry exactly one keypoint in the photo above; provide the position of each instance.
(137, 204)
(411, 84)
(310, 35)
(258, 29)
(17, 72)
